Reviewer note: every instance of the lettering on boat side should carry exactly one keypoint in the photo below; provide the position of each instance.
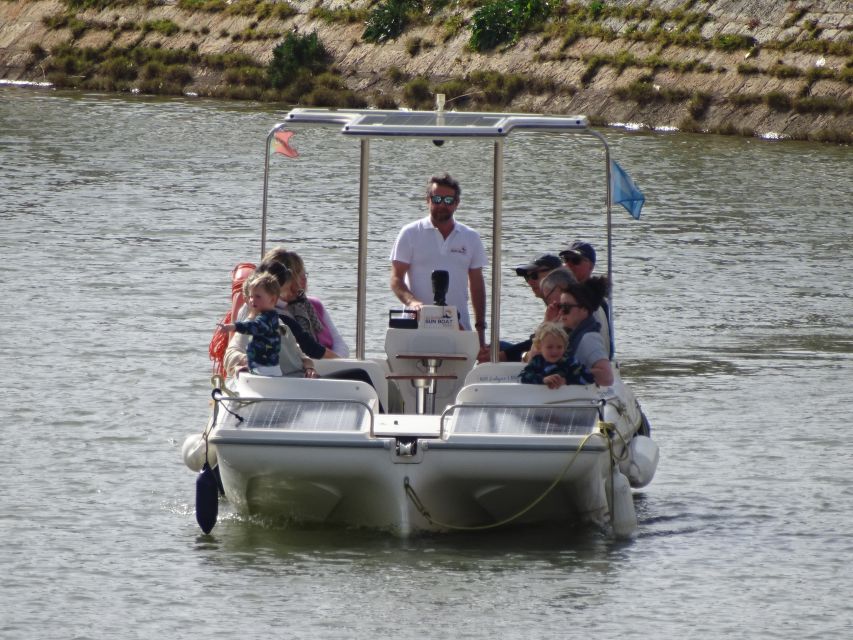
(441, 320)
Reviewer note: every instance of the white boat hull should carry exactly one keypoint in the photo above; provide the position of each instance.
(360, 483)
(411, 474)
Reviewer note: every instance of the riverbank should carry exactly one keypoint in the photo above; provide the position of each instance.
(750, 67)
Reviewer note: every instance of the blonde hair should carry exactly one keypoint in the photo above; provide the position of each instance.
(266, 281)
(289, 259)
(549, 329)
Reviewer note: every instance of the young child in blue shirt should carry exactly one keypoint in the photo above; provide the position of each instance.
(262, 325)
(550, 364)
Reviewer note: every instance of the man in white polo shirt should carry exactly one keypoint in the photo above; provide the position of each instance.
(440, 242)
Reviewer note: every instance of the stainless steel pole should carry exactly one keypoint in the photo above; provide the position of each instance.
(361, 310)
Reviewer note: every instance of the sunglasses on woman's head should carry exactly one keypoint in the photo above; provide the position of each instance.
(442, 199)
(565, 307)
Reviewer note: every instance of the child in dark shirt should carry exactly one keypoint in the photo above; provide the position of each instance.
(263, 325)
(549, 365)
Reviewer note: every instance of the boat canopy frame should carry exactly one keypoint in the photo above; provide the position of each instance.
(437, 125)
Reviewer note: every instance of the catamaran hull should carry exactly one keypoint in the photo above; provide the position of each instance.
(442, 487)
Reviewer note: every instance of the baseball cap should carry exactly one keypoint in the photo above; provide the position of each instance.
(579, 248)
(545, 261)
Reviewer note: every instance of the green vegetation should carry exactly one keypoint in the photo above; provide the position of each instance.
(452, 26)
(732, 42)
(344, 15)
(166, 27)
(413, 45)
(778, 101)
(784, 71)
(505, 21)
(389, 19)
(81, 5)
(794, 18)
(418, 94)
(644, 92)
(699, 104)
(262, 9)
(207, 6)
(297, 57)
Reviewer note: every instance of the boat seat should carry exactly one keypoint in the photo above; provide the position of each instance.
(501, 393)
(516, 409)
(284, 388)
(494, 372)
(373, 368)
(306, 404)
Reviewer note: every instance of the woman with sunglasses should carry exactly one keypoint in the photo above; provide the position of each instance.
(578, 303)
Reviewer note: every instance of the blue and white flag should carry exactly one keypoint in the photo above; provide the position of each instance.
(623, 190)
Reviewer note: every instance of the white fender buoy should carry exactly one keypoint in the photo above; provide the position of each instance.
(623, 518)
(643, 456)
(193, 452)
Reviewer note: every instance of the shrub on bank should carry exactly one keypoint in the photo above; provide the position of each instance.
(294, 54)
(389, 19)
(505, 21)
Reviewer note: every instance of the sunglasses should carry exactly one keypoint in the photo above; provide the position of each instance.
(575, 260)
(566, 308)
(532, 276)
(448, 200)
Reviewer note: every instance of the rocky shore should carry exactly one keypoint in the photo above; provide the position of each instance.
(750, 67)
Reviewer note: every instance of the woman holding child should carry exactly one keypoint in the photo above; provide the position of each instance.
(585, 359)
(578, 303)
(306, 310)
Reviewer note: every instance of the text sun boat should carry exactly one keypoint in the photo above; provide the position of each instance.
(471, 448)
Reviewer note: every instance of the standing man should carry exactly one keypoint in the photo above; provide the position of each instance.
(440, 242)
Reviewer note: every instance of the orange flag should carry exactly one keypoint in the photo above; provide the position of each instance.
(281, 144)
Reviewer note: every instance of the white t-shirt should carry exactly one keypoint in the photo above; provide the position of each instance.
(421, 246)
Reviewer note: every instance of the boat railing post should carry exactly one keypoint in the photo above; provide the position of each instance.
(497, 213)
(266, 190)
(608, 203)
(361, 310)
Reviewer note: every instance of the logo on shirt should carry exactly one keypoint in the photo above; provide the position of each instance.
(463, 250)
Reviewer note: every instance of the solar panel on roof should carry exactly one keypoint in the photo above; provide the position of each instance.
(436, 124)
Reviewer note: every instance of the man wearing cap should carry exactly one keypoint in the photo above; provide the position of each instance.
(533, 272)
(580, 259)
(440, 242)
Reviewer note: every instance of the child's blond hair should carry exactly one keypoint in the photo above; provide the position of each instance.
(266, 281)
(549, 329)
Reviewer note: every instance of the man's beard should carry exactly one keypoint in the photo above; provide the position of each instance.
(442, 216)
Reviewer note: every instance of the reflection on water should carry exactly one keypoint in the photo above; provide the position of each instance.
(120, 221)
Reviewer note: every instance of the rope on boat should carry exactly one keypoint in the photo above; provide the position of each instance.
(215, 394)
(419, 505)
(218, 384)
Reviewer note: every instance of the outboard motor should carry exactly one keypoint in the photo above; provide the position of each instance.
(440, 284)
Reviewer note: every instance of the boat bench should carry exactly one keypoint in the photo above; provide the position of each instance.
(305, 404)
(494, 372)
(515, 409)
(374, 369)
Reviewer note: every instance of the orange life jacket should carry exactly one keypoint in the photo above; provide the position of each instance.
(219, 341)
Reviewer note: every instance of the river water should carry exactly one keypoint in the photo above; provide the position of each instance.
(120, 219)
